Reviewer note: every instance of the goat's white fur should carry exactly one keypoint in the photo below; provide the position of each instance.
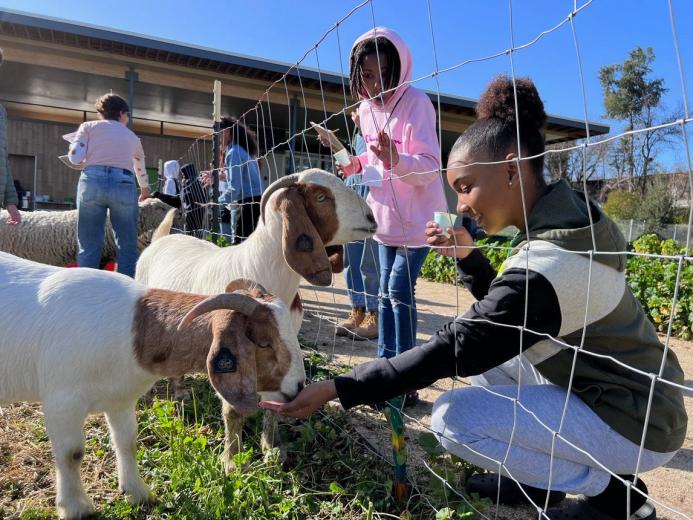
(67, 341)
(184, 263)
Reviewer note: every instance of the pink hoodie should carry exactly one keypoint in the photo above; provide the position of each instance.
(413, 190)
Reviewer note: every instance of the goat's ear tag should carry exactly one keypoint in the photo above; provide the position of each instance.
(224, 362)
(304, 244)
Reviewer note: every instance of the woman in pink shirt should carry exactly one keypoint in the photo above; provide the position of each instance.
(112, 157)
(401, 167)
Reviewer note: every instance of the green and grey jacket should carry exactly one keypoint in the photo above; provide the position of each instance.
(573, 299)
(8, 194)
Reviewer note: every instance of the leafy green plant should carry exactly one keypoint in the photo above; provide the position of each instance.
(653, 281)
(455, 472)
(496, 249)
(439, 268)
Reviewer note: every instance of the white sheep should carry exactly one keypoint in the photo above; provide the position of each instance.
(85, 341)
(303, 216)
(50, 237)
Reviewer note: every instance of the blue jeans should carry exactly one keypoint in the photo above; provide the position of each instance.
(104, 188)
(361, 273)
(399, 268)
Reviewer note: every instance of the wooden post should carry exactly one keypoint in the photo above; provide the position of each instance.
(216, 140)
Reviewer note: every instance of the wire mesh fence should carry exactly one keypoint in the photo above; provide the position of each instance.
(533, 446)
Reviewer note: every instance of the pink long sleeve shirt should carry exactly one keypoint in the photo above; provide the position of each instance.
(413, 189)
(109, 143)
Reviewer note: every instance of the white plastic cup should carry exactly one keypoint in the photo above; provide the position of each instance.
(445, 220)
(342, 157)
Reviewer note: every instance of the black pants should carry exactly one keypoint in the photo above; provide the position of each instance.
(248, 217)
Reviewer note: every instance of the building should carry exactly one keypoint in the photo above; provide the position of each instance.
(54, 70)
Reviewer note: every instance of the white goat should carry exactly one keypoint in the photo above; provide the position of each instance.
(83, 341)
(50, 237)
(303, 216)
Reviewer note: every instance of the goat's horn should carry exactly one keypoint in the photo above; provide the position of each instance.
(244, 283)
(282, 182)
(234, 301)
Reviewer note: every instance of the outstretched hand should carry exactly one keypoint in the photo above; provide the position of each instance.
(445, 245)
(385, 150)
(310, 399)
(206, 177)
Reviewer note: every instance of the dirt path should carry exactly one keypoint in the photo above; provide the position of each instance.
(671, 485)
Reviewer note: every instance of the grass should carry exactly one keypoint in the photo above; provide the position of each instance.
(330, 470)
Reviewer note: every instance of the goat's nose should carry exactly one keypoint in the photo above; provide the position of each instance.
(301, 386)
(370, 218)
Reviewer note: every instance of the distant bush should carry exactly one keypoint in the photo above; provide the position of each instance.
(656, 209)
(622, 205)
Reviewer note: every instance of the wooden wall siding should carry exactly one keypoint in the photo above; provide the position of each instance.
(44, 140)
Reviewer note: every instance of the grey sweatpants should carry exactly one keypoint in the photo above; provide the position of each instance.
(476, 424)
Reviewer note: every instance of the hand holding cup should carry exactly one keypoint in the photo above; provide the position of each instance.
(455, 242)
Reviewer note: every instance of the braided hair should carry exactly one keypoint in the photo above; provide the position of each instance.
(384, 48)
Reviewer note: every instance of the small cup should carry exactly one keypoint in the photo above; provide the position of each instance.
(342, 157)
(445, 221)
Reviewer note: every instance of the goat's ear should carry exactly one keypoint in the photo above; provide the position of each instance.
(336, 256)
(303, 248)
(232, 372)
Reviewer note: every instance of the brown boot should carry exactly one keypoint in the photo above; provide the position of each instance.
(368, 329)
(354, 320)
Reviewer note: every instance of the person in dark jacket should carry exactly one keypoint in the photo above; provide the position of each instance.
(572, 391)
(195, 201)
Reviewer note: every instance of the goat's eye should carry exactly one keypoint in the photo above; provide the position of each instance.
(264, 344)
(321, 197)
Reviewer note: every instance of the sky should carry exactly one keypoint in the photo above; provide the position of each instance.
(449, 32)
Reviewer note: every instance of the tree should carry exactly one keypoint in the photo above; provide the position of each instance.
(564, 161)
(630, 95)
(657, 207)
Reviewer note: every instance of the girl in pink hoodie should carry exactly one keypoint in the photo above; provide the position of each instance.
(401, 167)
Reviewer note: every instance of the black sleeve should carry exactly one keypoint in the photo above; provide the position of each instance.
(476, 273)
(485, 336)
(171, 200)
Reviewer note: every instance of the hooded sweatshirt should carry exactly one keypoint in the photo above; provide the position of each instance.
(412, 190)
(172, 176)
(548, 266)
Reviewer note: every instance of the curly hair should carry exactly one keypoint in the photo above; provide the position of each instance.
(110, 106)
(494, 133)
(383, 47)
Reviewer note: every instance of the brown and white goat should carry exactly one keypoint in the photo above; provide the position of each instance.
(306, 217)
(84, 341)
